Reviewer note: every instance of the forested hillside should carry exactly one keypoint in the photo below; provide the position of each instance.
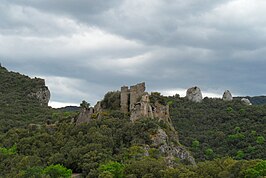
(217, 128)
(256, 100)
(18, 108)
(227, 139)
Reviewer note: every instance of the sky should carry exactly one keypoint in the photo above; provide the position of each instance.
(85, 48)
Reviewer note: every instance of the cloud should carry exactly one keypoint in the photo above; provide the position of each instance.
(55, 104)
(86, 48)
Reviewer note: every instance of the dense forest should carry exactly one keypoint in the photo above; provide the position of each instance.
(227, 139)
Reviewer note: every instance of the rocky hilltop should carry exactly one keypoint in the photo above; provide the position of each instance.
(23, 100)
(141, 105)
(15, 86)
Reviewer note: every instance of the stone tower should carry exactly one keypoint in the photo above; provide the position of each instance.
(129, 97)
(124, 99)
(136, 92)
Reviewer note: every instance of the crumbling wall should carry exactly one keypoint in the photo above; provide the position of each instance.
(135, 92)
(129, 97)
(124, 99)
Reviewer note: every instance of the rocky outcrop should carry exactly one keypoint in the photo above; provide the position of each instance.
(42, 95)
(194, 94)
(171, 147)
(246, 101)
(136, 102)
(227, 96)
(97, 107)
(85, 116)
(142, 109)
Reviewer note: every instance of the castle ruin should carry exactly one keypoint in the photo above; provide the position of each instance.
(136, 101)
(130, 96)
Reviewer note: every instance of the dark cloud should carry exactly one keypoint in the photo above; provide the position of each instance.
(85, 48)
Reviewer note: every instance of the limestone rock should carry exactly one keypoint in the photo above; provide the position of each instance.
(42, 94)
(98, 107)
(146, 109)
(246, 101)
(141, 109)
(227, 96)
(172, 151)
(194, 94)
(85, 116)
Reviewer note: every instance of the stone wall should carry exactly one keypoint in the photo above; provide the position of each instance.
(124, 99)
(135, 93)
(129, 97)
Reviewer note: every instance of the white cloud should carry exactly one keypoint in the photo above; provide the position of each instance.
(182, 93)
(88, 48)
(55, 104)
(65, 86)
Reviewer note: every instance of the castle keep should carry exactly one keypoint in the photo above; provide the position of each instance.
(130, 96)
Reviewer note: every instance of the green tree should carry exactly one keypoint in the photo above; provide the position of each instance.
(36, 172)
(57, 171)
(209, 153)
(85, 105)
(195, 144)
(240, 154)
(260, 140)
(9, 151)
(258, 171)
(112, 168)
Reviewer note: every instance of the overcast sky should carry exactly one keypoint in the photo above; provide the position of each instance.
(84, 48)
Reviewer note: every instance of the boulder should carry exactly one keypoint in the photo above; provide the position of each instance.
(194, 94)
(227, 96)
(246, 101)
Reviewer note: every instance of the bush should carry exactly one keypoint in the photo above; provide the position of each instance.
(112, 169)
(57, 171)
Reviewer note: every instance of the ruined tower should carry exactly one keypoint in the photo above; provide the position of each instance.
(124, 99)
(129, 97)
(136, 92)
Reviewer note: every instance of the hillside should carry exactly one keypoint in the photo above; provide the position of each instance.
(129, 133)
(256, 100)
(217, 128)
(23, 100)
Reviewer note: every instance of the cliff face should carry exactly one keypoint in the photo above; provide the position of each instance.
(42, 93)
(23, 100)
(16, 86)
